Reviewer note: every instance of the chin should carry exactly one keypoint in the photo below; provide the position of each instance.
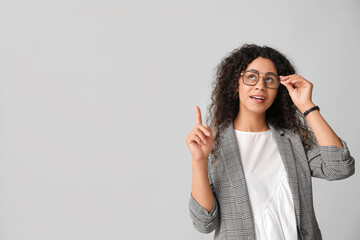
(259, 109)
(255, 107)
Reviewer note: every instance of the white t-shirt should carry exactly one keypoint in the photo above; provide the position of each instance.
(267, 182)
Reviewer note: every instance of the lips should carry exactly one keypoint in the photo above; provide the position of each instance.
(258, 97)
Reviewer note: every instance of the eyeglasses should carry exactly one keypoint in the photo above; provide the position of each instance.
(251, 78)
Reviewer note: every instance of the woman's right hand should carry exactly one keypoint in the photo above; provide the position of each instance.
(200, 139)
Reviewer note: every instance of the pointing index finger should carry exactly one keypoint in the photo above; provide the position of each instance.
(198, 115)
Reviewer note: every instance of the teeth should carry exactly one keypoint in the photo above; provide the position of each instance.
(258, 97)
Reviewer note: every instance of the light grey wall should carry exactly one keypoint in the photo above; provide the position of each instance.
(97, 97)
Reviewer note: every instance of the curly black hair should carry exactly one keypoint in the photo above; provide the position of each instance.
(224, 105)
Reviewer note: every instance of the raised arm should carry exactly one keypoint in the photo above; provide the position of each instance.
(202, 204)
(300, 91)
(329, 158)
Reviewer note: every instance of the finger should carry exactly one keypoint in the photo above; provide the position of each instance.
(287, 76)
(288, 86)
(198, 115)
(296, 82)
(286, 79)
(201, 135)
(197, 139)
(209, 131)
(303, 81)
(193, 138)
(292, 77)
(204, 129)
(300, 83)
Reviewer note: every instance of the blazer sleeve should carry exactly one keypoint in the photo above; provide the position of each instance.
(204, 221)
(330, 162)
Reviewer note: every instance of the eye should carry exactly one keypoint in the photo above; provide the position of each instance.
(252, 76)
(269, 79)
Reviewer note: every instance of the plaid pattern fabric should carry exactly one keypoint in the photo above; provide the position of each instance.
(231, 216)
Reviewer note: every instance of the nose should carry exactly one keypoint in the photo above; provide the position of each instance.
(260, 85)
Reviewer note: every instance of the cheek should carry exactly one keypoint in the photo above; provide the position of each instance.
(273, 96)
(243, 93)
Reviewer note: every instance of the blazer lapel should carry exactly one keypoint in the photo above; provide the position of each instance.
(288, 159)
(230, 153)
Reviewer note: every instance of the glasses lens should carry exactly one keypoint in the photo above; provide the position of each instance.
(250, 78)
(271, 81)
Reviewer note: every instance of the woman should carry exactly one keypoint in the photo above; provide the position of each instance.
(252, 176)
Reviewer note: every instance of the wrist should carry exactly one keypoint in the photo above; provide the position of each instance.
(311, 110)
(303, 108)
(199, 164)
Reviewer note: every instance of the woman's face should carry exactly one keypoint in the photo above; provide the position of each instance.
(248, 103)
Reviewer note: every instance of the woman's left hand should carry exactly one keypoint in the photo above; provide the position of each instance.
(300, 91)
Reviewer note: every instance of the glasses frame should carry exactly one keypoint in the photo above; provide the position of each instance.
(258, 75)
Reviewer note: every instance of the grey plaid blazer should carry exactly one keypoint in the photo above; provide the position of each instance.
(231, 216)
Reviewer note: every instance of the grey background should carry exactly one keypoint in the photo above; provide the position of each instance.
(97, 98)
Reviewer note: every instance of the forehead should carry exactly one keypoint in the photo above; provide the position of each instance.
(262, 65)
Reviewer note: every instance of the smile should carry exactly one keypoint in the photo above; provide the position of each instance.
(258, 99)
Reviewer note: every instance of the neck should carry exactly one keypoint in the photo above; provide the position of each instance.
(250, 122)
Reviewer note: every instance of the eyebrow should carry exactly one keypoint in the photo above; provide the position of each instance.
(254, 70)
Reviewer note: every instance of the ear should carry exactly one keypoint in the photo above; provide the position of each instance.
(236, 93)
